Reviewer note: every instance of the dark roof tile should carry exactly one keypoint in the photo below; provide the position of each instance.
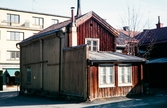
(153, 35)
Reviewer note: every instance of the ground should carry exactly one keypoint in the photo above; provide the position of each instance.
(9, 98)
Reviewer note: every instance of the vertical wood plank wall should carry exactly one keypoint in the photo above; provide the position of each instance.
(51, 49)
(74, 79)
(30, 54)
(95, 92)
(31, 57)
(92, 29)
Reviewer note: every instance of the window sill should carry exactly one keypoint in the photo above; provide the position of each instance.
(124, 84)
(106, 86)
(12, 60)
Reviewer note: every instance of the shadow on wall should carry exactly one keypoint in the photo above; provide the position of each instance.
(137, 90)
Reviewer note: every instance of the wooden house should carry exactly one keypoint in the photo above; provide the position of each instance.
(125, 42)
(152, 46)
(78, 58)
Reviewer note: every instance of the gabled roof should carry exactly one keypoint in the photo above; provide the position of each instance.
(113, 57)
(153, 35)
(100, 20)
(79, 21)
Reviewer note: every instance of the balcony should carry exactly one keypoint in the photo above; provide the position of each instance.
(24, 26)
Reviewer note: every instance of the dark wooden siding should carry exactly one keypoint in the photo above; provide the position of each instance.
(92, 29)
(95, 92)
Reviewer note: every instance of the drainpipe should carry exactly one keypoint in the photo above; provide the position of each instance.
(41, 67)
(60, 35)
(18, 47)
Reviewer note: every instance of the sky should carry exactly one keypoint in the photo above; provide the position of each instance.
(114, 11)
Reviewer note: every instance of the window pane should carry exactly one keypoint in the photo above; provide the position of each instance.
(94, 43)
(12, 36)
(120, 74)
(17, 55)
(8, 18)
(21, 36)
(17, 36)
(94, 49)
(41, 21)
(124, 74)
(102, 75)
(29, 74)
(89, 42)
(12, 55)
(37, 21)
(106, 77)
(16, 19)
(109, 74)
(12, 18)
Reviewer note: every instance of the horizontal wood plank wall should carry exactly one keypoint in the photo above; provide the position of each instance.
(74, 79)
(92, 29)
(96, 92)
(30, 54)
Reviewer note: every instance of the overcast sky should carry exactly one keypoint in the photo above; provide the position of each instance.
(111, 10)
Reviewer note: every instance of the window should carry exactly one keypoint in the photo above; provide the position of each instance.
(93, 44)
(28, 69)
(106, 76)
(124, 75)
(15, 36)
(38, 21)
(55, 21)
(13, 55)
(13, 18)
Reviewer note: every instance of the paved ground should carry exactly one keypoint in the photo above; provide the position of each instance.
(9, 99)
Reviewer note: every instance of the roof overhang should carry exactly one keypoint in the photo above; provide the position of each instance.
(157, 61)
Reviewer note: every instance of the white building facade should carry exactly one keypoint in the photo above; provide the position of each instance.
(16, 25)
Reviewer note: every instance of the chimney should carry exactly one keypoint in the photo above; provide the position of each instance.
(72, 15)
(126, 28)
(78, 9)
(73, 30)
(159, 25)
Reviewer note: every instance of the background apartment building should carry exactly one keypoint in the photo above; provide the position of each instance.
(16, 25)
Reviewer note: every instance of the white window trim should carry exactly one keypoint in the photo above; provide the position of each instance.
(9, 55)
(106, 85)
(91, 39)
(125, 84)
(20, 34)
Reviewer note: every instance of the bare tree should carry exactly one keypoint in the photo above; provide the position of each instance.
(132, 18)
